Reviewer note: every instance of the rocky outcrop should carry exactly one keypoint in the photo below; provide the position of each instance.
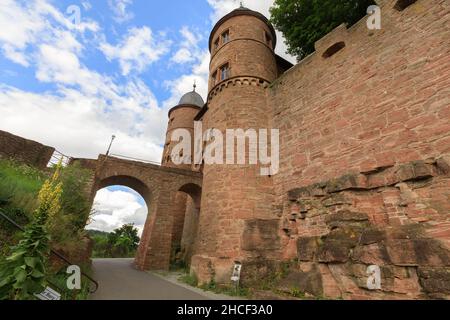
(393, 218)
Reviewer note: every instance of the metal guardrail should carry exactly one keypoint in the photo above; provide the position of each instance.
(58, 157)
(55, 253)
(135, 159)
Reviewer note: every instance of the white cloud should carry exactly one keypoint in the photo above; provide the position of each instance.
(22, 25)
(199, 74)
(183, 55)
(113, 209)
(86, 108)
(120, 10)
(189, 49)
(15, 55)
(223, 7)
(197, 58)
(137, 50)
(81, 125)
(18, 27)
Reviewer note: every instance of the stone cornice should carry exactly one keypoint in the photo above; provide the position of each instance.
(237, 80)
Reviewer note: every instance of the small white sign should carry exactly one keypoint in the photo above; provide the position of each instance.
(49, 294)
(236, 276)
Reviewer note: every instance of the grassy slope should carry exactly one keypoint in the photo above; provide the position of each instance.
(19, 189)
(20, 185)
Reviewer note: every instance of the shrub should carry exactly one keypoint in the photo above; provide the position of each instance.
(121, 243)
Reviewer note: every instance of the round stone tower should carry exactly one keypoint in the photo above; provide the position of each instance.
(181, 117)
(236, 199)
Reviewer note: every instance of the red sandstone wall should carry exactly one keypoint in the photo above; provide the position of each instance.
(179, 208)
(364, 177)
(382, 100)
(24, 150)
(190, 230)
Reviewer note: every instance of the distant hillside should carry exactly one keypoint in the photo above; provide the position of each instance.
(93, 233)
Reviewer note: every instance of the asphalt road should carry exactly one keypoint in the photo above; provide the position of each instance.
(119, 280)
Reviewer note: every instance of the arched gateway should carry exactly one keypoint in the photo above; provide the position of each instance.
(161, 188)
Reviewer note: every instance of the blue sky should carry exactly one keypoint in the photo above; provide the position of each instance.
(72, 83)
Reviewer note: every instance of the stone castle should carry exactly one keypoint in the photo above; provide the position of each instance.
(364, 173)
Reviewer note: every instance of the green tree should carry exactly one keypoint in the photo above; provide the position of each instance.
(303, 22)
(124, 240)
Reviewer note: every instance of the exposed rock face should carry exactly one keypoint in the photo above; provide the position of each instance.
(308, 282)
(391, 218)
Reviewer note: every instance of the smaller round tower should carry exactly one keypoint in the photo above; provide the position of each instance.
(181, 117)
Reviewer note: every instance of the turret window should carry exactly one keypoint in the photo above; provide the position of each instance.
(214, 78)
(225, 37)
(225, 72)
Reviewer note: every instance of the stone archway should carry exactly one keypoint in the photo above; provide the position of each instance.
(127, 181)
(159, 187)
(137, 190)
